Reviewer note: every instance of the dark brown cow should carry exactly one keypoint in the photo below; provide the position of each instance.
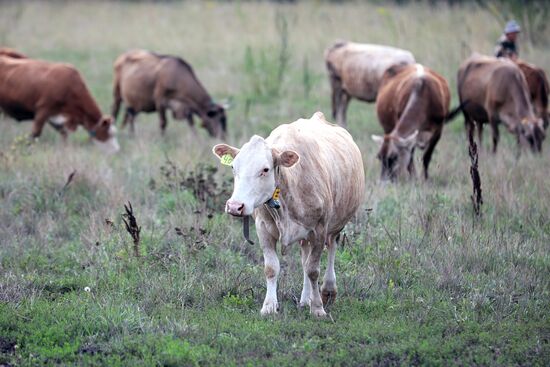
(55, 93)
(538, 89)
(148, 82)
(497, 92)
(412, 105)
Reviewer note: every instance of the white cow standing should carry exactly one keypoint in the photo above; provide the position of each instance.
(356, 70)
(319, 170)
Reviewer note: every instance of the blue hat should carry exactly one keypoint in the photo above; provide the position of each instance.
(512, 27)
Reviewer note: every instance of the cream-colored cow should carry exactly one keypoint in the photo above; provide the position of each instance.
(356, 70)
(319, 171)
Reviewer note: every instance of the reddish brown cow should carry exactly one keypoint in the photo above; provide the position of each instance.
(412, 105)
(497, 92)
(538, 89)
(54, 93)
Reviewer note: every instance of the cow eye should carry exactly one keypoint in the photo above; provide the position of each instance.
(266, 170)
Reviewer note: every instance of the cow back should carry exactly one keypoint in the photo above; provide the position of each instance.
(327, 184)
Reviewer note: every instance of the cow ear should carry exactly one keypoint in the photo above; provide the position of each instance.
(377, 139)
(288, 158)
(220, 150)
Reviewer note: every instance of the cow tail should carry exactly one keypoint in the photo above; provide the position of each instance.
(455, 111)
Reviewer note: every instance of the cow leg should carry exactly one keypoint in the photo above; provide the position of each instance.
(411, 167)
(494, 129)
(336, 95)
(117, 101)
(429, 151)
(480, 134)
(191, 123)
(313, 271)
(342, 109)
(38, 124)
(162, 118)
(129, 118)
(305, 298)
(60, 129)
(334, 100)
(271, 270)
(469, 125)
(329, 290)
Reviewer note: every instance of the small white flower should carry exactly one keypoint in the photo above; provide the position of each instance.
(395, 248)
(449, 238)
(87, 289)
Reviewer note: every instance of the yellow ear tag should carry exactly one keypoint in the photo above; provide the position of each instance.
(226, 159)
(276, 194)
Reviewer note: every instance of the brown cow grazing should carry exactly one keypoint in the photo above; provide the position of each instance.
(148, 82)
(412, 105)
(538, 89)
(497, 92)
(319, 171)
(55, 93)
(356, 71)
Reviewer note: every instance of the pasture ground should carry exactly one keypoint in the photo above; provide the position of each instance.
(421, 280)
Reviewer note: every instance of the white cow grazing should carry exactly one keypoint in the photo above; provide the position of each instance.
(319, 170)
(356, 70)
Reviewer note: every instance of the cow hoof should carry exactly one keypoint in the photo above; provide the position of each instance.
(328, 296)
(319, 313)
(304, 304)
(269, 308)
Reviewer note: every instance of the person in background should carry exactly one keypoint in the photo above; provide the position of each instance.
(506, 46)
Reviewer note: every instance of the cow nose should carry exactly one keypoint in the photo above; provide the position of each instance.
(234, 208)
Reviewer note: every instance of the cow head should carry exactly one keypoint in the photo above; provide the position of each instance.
(531, 134)
(395, 154)
(214, 120)
(254, 168)
(104, 135)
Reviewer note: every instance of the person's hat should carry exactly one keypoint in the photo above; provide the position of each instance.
(512, 27)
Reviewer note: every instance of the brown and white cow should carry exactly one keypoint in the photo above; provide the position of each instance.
(412, 106)
(356, 70)
(148, 82)
(55, 93)
(319, 170)
(497, 92)
(538, 89)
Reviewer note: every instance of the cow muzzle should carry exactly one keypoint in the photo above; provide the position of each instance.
(234, 208)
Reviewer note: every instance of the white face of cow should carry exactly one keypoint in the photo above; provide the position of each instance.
(254, 173)
(109, 146)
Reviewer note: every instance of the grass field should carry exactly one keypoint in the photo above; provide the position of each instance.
(421, 280)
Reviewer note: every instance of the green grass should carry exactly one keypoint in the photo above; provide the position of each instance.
(421, 280)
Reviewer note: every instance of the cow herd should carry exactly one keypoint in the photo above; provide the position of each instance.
(305, 181)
